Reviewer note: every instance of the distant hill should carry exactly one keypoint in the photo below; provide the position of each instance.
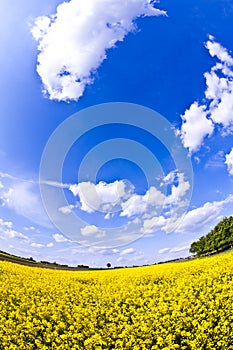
(218, 239)
(31, 262)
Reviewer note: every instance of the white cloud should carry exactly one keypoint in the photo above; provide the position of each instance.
(7, 224)
(87, 194)
(169, 178)
(29, 228)
(92, 230)
(140, 204)
(66, 209)
(107, 216)
(15, 234)
(37, 245)
(195, 127)
(178, 191)
(50, 245)
(135, 205)
(215, 49)
(74, 42)
(199, 120)
(120, 197)
(154, 224)
(154, 197)
(8, 232)
(127, 251)
(60, 238)
(111, 192)
(215, 86)
(102, 196)
(229, 162)
(220, 93)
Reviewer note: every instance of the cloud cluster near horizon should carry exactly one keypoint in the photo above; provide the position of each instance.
(139, 210)
(73, 42)
(201, 119)
(120, 196)
(120, 199)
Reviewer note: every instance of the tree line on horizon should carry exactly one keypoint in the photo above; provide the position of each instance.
(218, 239)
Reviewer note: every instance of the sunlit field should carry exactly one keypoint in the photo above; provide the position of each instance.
(186, 305)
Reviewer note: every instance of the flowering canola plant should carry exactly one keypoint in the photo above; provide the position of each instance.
(187, 305)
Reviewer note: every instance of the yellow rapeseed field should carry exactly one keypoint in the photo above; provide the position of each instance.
(186, 305)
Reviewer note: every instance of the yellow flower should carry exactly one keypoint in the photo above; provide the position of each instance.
(172, 306)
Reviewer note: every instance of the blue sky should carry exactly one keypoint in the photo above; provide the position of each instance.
(122, 186)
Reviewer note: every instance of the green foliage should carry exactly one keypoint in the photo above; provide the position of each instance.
(220, 238)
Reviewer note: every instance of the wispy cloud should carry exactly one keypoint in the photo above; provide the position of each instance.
(196, 220)
(74, 41)
(216, 161)
(163, 250)
(23, 197)
(127, 251)
(176, 249)
(130, 256)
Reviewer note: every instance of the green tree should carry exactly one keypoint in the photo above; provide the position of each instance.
(219, 238)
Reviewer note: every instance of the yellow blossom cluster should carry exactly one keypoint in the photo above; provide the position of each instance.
(187, 305)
